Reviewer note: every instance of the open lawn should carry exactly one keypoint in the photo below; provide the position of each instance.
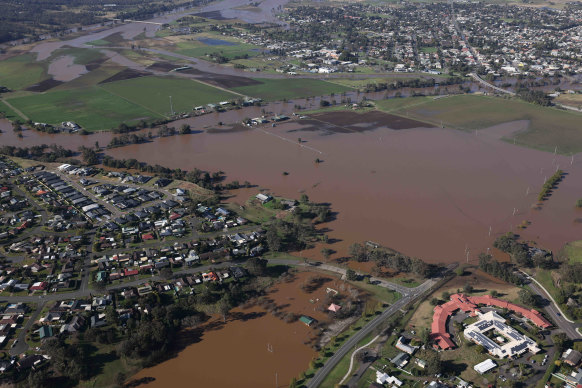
(573, 251)
(19, 72)
(9, 113)
(153, 93)
(548, 127)
(574, 100)
(288, 88)
(230, 50)
(93, 108)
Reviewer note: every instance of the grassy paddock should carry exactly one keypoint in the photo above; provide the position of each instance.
(548, 127)
(9, 112)
(19, 72)
(153, 93)
(288, 88)
(92, 108)
(573, 250)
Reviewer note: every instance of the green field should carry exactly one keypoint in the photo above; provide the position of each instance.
(9, 112)
(153, 93)
(428, 50)
(198, 49)
(19, 72)
(93, 108)
(279, 89)
(573, 250)
(548, 127)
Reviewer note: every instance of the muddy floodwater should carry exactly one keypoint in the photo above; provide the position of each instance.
(434, 193)
(253, 348)
(64, 69)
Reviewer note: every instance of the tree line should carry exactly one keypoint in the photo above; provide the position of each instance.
(392, 260)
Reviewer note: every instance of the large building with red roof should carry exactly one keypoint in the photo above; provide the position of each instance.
(469, 304)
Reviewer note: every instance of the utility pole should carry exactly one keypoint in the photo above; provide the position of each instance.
(171, 106)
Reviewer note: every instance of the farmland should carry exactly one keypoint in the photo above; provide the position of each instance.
(548, 127)
(153, 93)
(92, 108)
(279, 89)
(21, 71)
(197, 49)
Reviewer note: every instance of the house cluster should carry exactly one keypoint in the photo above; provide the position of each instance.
(125, 197)
(468, 304)
(218, 218)
(16, 217)
(11, 319)
(53, 189)
(503, 39)
(56, 262)
(405, 355)
(186, 254)
(226, 105)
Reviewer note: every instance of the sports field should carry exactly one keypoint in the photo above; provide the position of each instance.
(279, 89)
(153, 93)
(19, 72)
(93, 108)
(197, 49)
(548, 127)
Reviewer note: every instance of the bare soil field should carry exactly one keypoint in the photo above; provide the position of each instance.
(45, 85)
(125, 74)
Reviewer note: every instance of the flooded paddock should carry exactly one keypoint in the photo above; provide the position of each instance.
(434, 193)
(253, 348)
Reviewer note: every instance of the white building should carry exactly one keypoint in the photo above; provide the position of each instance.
(510, 342)
(485, 366)
(384, 378)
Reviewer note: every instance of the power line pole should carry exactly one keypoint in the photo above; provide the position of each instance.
(171, 106)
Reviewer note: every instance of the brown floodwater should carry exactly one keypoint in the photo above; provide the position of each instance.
(254, 348)
(429, 192)
(65, 69)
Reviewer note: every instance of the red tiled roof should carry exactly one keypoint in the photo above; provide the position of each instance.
(469, 305)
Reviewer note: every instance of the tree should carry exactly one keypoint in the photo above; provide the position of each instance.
(273, 240)
(527, 297)
(468, 288)
(560, 340)
(223, 307)
(120, 379)
(293, 383)
(304, 198)
(326, 252)
(351, 274)
(166, 273)
(425, 336)
(111, 315)
(494, 293)
(257, 266)
(358, 252)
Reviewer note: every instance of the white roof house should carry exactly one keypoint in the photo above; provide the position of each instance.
(485, 366)
(384, 378)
